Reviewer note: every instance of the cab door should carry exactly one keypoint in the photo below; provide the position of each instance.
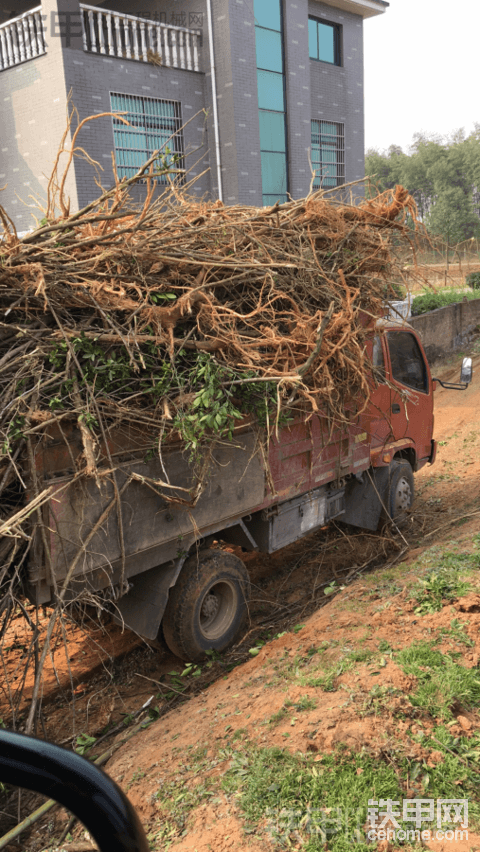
(411, 407)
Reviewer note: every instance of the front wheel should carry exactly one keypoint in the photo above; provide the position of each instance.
(400, 493)
(207, 607)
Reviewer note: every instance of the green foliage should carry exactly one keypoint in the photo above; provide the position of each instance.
(304, 803)
(446, 583)
(327, 681)
(458, 633)
(174, 802)
(473, 280)
(437, 589)
(394, 291)
(84, 743)
(159, 298)
(213, 408)
(14, 434)
(442, 682)
(430, 301)
(217, 403)
(441, 174)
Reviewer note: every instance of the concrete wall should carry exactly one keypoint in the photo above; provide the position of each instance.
(447, 329)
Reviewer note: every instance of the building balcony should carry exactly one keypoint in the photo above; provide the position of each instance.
(129, 37)
(22, 38)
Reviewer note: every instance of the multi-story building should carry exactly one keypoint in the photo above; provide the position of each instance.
(256, 97)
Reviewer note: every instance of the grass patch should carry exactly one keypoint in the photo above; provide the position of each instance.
(278, 717)
(302, 802)
(377, 700)
(447, 582)
(175, 802)
(457, 632)
(296, 799)
(439, 589)
(326, 681)
(442, 682)
(303, 703)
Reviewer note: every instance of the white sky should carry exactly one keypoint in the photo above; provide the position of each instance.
(422, 70)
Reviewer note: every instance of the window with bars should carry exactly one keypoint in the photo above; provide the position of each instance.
(328, 154)
(154, 124)
(325, 41)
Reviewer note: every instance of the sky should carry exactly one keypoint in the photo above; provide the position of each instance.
(422, 71)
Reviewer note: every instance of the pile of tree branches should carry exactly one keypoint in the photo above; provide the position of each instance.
(179, 317)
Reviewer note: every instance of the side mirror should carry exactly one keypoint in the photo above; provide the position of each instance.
(465, 377)
(466, 371)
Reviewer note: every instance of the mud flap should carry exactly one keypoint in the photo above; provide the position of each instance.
(142, 609)
(364, 498)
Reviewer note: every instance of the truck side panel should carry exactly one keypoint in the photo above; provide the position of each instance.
(236, 484)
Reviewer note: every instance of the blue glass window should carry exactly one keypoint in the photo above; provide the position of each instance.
(267, 14)
(154, 125)
(272, 131)
(269, 50)
(270, 91)
(271, 99)
(274, 173)
(324, 41)
(270, 200)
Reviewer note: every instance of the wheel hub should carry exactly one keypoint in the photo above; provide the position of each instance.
(217, 610)
(403, 496)
(210, 607)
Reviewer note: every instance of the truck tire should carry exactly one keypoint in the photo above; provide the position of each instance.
(399, 497)
(208, 605)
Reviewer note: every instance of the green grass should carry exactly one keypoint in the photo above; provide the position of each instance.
(306, 800)
(303, 802)
(442, 682)
(447, 582)
(457, 633)
(303, 703)
(326, 679)
(175, 802)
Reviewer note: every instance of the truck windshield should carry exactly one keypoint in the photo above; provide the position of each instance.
(408, 365)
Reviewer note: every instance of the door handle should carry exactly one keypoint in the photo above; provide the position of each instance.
(395, 408)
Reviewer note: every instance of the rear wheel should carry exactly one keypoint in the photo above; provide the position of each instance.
(208, 605)
(399, 497)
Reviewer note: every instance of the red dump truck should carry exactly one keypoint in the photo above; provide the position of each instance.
(155, 560)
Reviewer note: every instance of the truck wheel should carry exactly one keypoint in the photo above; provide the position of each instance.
(400, 493)
(208, 605)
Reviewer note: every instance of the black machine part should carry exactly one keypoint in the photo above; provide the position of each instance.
(208, 605)
(78, 785)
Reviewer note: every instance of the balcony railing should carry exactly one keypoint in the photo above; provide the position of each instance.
(21, 39)
(129, 37)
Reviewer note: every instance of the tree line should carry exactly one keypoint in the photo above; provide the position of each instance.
(443, 175)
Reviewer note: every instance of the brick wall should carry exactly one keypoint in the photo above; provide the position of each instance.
(33, 96)
(336, 93)
(33, 120)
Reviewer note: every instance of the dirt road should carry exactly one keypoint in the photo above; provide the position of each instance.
(333, 681)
